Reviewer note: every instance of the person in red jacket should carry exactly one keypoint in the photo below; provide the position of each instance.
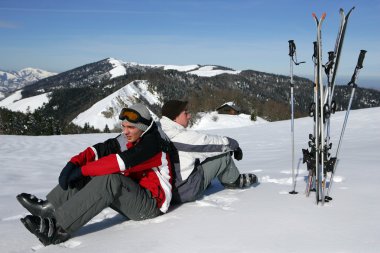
(130, 173)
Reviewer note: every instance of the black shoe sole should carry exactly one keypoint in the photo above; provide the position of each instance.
(29, 225)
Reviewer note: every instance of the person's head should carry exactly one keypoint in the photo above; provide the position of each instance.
(177, 111)
(135, 121)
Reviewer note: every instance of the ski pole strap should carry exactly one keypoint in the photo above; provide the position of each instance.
(292, 52)
(328, 66)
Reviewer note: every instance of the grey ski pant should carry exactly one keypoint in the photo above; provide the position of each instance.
(221, 167)
(76, 206)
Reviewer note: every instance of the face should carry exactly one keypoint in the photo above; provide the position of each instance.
(183, 118)
(132, 133)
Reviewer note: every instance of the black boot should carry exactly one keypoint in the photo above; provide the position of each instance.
(35, 206)
(243, 181)
(46, 229)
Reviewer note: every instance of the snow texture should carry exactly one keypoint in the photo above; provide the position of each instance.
(264, 218)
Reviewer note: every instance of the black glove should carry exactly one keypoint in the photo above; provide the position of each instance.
(238, 154)
(69, 174)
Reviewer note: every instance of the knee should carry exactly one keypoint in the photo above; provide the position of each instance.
(110, 182)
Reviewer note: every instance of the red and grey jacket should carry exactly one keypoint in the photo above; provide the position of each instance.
(146, 161)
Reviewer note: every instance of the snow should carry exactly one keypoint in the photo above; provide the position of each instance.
(209, 71)
(15, 102)
(264, 218)
(213, 120)
(118, 68)
(195, 69)
(112, 105)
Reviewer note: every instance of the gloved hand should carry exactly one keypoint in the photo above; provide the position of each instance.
(69, 174)
(238, 154)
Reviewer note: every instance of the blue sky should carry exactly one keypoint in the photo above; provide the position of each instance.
(241, 34)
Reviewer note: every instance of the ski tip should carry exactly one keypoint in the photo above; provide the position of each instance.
(323, 15)
(314, 15)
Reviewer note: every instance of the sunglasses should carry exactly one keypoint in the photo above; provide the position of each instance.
(133, 116)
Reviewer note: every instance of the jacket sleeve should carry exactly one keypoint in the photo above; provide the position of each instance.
(203, 145)
(93, 153)
(141, 153)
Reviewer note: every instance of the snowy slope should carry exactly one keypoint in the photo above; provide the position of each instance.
(205, 71)
(260, 219)
(15, 102)
(213, 120)
(106, 111)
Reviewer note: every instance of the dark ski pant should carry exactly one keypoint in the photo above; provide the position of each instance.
(221, 167)
(78, 205)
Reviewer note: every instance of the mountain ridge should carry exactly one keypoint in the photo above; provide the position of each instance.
(206, 87)
(11, 81)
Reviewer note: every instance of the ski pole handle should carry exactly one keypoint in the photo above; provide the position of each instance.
(292, 48)
(359, 65)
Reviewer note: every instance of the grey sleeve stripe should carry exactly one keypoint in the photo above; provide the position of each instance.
(122, 142)
(199, 148)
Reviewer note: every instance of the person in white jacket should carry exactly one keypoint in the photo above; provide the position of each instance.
(201, 157)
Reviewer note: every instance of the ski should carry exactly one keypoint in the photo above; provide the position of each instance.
(321, 165)
(319, 117)
(331, 70)
(338, 47)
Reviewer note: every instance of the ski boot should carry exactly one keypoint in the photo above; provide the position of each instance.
(46, 229)
(243, 181)
(35, 206)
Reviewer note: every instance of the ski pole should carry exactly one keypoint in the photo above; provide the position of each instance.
(292, 54)
(353, 84)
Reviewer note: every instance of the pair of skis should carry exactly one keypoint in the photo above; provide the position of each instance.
(318, 159)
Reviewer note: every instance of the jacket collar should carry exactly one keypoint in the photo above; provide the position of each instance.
(166, 122)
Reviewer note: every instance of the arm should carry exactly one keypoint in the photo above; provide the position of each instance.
(90, 154)
(203, 145)
(141, 153)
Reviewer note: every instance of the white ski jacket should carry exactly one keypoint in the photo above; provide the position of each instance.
(194, 147)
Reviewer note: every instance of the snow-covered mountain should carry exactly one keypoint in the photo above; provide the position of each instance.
(14, 80)
(94, 93)
(106, 111)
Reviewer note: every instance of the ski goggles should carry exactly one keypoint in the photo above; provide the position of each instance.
(133, 116)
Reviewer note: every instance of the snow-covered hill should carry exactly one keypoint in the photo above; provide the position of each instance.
(10, 81)
(15, 102)
(261, 219)
(14, 80)
(106, 111)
